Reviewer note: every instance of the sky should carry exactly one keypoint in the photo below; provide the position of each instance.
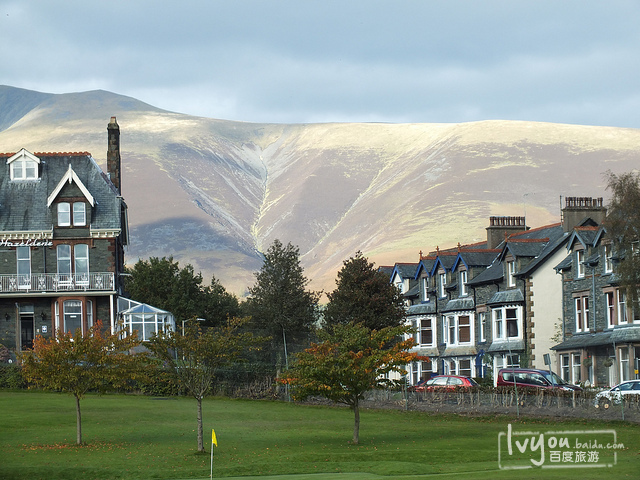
(308, 61)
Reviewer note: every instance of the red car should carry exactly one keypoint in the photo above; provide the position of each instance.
(448, 382)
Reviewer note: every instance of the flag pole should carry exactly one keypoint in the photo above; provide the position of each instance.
(214, 442)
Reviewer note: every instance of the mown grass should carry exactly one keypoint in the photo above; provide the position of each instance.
(135, 437)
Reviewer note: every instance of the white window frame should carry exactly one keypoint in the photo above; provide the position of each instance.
(67, 307)
(64, 214)
(580, 263)
(511, 271)
(610, 305)
(432, 328)
(621, 301)
(624, 364)
(65, 261)
(442, 281)
(81, 263)
(500, 322)
(24, 169)
(464, 278)
(483, 326)
(576, 368)
(454, 327)
(79, 214)
(581, 313)
(425, 289)
(23, 267)
(608, 258)
(565, 367)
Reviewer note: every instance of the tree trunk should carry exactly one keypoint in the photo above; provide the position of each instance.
(200, 439)
(356, 426)
(78, 422)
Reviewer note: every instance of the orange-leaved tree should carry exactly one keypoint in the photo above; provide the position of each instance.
(351, 360)
(94, 361)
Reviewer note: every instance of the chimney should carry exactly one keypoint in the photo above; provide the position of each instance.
(113, 154)
(499, 227)
(578, 209)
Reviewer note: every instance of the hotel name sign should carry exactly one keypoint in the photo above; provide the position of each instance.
(29, 242)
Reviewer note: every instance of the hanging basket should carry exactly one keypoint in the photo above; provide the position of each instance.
(587, 362)
(607, 362)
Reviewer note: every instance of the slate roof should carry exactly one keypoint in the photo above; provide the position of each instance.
(23, 204)
(564, 264)
(582, 340)
(457, 304)
(492, 274)
(405, 270)
(506, 296)
(422, 309)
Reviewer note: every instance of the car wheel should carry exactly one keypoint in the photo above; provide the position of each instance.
(604, 403)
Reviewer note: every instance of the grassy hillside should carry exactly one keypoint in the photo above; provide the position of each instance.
(215, 193)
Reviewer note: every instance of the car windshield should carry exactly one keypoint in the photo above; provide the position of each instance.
(554, 379)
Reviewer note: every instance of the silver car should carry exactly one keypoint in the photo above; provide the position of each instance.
(614, 394)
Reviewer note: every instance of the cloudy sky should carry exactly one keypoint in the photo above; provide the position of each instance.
(294, 61)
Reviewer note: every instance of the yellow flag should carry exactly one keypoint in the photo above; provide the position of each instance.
(213, 437)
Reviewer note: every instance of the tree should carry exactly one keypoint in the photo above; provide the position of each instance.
(195, 356)
(351, 360)
(623, 227)
(163, 284)
(77, 364)
(280, 305)
(364, 295)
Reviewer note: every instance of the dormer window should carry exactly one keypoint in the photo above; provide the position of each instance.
(511, 272)
(64, 214)
(580, 263)
(463, 283)
(23, 166)
(79, 214)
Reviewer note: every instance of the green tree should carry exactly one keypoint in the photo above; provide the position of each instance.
(195, 356)
(163, 284)
(350, 360)
(364, 295)
(280, 304)
(79, 363)
(623, 227)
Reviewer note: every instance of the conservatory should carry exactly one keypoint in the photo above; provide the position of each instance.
(146, 320)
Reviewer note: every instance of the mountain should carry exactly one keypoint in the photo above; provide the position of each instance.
(215, 193)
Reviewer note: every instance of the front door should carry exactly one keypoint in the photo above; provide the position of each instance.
(26, 332)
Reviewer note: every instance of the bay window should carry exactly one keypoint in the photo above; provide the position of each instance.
(507, 322)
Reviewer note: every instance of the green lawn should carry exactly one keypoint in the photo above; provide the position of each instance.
(134, 437)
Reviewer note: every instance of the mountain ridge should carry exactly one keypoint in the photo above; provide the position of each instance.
(214, 193)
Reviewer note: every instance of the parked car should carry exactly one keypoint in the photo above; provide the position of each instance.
(614, 394)
(447, 382)
(532, 378)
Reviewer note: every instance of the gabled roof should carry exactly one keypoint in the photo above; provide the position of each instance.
(475, 258)
(444, 259)
(70, 177)
(24, 205)
(426, 264)
(386, 269)
(586, 236)
(493, 274)
(23, 153)
(404, 270)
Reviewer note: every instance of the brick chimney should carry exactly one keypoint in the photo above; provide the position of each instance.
(578, 209)
(501, 226)
(113, 154)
